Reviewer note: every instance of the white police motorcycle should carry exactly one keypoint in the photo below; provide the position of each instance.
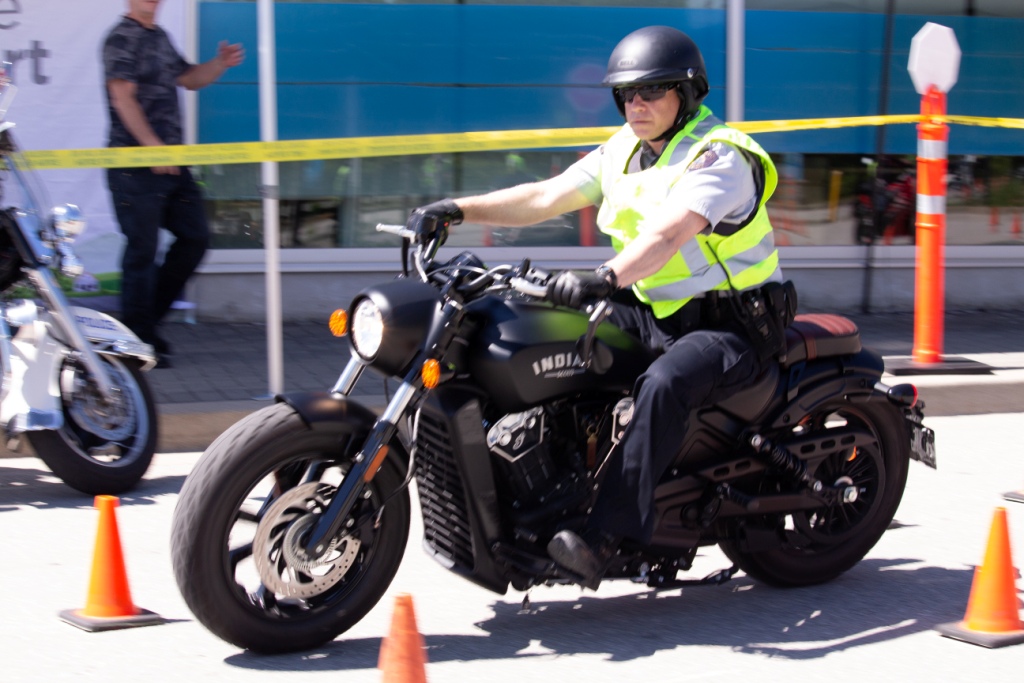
(72, 381)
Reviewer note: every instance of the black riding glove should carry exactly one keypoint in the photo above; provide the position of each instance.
(574, 289)
(434, 219)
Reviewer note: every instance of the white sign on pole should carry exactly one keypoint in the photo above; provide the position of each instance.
(934, 58)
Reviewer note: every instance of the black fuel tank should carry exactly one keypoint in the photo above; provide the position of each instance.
(525, 353)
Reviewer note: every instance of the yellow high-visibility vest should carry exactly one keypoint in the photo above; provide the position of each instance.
(735, 256)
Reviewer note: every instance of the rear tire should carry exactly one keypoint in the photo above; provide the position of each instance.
(234, 559)
(818, 545)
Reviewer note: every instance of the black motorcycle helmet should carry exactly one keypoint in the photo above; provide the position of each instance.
(660, 54)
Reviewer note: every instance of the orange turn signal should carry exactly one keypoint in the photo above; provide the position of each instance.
(375, 464)
(338, 323)
(431, 373)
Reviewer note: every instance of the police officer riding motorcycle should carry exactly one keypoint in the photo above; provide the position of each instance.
(566, 427)
(711, 305)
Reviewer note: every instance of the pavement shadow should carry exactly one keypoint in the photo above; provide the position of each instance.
(879, 600)
(39, 488)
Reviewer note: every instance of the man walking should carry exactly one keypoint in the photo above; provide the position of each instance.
(143, 71)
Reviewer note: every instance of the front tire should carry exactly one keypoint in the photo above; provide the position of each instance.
(816, 546)
(102, 448)
(238, 524)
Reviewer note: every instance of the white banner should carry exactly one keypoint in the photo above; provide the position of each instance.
(55, 51)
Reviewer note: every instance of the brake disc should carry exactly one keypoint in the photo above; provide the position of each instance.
(283, 564)
(112, 421)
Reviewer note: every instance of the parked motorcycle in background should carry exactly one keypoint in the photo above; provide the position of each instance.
(72, 381)
(884, 210)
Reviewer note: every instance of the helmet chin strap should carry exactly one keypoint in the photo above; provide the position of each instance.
(688, 108)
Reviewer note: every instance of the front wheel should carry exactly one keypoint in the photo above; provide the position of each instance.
(818, 545)
(238, 529)
(103, 447)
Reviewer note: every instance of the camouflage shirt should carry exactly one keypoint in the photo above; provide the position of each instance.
(147, 58)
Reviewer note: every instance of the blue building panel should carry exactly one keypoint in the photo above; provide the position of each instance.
(349, 70)
(363, 70)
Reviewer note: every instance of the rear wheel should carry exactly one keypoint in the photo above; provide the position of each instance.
(818, 545)
(237, 534)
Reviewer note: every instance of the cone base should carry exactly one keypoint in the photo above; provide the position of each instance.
(958, 631)
(87, 623)
(1014, 496)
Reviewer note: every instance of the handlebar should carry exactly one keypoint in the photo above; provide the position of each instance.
(528, 287)
(399, 230)
(510, 277)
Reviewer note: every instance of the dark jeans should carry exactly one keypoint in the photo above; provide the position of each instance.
(145, 202)
(699, 366)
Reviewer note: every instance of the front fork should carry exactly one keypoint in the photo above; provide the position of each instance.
(367, 461)
(63, 317)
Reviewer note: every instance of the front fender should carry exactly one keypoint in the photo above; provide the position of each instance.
(109, 335)
(317, 408)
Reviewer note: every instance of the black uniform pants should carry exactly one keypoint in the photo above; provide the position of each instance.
(699, 365)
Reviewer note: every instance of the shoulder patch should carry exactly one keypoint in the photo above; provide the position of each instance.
(708, 157)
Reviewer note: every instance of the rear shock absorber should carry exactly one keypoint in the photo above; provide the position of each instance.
(783, 460)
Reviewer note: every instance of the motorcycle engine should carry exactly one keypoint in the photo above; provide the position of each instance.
(522, 457)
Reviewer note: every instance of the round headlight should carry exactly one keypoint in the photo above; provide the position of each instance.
(367, 329)
(68, 222)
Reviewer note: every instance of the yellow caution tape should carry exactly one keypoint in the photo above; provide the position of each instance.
(986, 121)
(397, 145)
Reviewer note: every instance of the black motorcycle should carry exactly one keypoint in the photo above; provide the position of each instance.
(293, 523)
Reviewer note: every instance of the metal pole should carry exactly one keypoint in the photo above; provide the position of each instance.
(270, 191)
(879, 185)
(735, 50)
(192, 55)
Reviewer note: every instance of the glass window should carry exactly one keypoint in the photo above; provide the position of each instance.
(850, 199)
(338, 202)
(822, 199)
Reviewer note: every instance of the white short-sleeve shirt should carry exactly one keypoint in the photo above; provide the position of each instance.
(719, 184)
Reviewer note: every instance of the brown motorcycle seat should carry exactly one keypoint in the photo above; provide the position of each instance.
(815, 335)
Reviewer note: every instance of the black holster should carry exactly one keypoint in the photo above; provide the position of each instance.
(765, 313)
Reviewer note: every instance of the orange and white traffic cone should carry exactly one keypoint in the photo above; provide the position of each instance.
(109, 603)
(992, 618)
(402, 655)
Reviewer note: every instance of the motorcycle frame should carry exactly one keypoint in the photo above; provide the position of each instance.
(801, 387)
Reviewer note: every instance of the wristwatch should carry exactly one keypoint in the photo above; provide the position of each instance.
(608, 274)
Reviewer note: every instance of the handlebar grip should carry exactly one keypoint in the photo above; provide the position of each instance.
(399, 230)
(528, 287)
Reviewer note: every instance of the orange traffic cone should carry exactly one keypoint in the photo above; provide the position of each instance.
(992, 618)
(402, 657)
(1015, 225)
(109, 603)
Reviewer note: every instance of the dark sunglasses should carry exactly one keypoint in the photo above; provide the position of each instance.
(647, 93)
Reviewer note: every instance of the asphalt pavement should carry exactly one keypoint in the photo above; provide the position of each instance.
(874, 623)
